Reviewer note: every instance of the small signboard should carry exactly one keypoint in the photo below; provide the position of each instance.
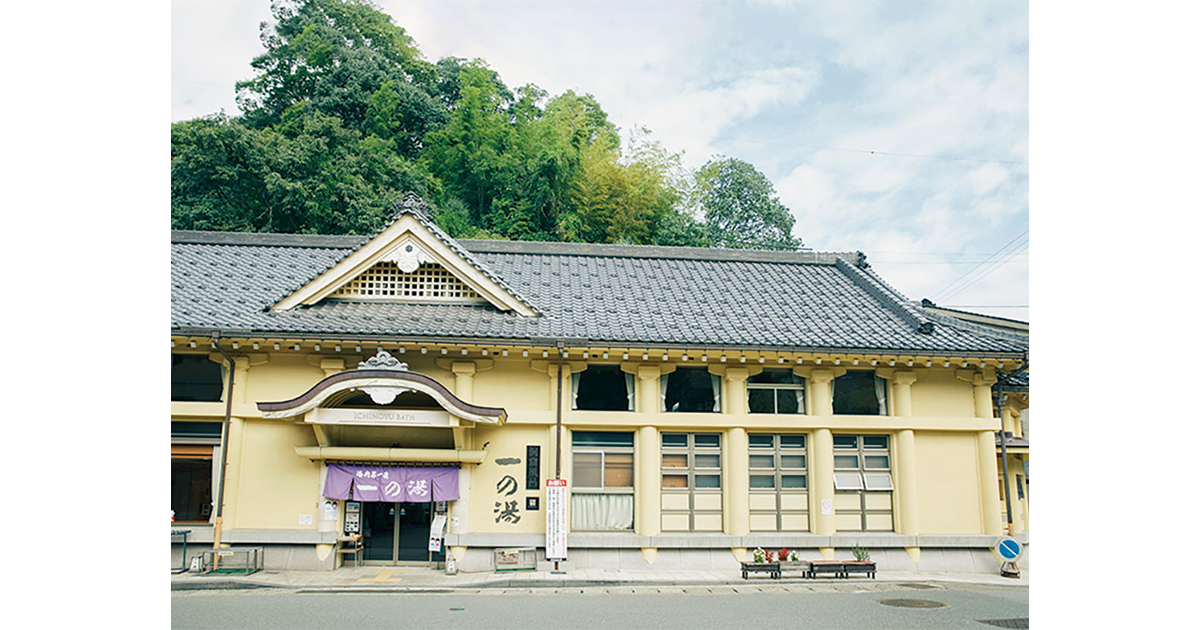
(533, 466)
(352, 514)
(1009, 549)
(556, 519)
(435, 532)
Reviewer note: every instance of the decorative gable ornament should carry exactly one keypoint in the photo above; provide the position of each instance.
(408, 257)
(383, 361)
(411, 259)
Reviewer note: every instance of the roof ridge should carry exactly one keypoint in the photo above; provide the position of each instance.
(889, 297)
(972, 327)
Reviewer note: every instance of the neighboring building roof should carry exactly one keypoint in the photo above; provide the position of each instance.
(618, 294)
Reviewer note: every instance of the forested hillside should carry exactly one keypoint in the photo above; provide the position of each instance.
(345, 115)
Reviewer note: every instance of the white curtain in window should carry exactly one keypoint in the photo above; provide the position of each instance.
(575, 390)
(881, 394)
(716, 387)
(662, 392)
(599, 512)
(629, 390)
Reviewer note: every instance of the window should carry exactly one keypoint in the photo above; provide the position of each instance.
(195, 379)
(860, 393)
(194, 446)
(862, 482)
(602, 388)
(691, 482)
(602, 484)
(778, 482)
(691, 389)
(775, 391)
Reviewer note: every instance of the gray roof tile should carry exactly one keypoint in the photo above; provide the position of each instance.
(617, 294)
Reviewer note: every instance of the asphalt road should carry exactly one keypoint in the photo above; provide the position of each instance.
(621, 608)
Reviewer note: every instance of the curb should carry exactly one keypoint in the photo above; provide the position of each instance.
(547, 584)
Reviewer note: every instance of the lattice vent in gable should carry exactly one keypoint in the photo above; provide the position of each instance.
(385, 281)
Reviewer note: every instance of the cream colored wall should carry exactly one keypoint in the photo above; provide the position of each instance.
(273, 485)
(941, 393)
(948, 483)
(276, 485)
(282, 377)
(512, 384)
(508, 443)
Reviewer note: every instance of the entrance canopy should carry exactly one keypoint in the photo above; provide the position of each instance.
(383, 379)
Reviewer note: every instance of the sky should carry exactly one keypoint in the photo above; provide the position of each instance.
(899, 129)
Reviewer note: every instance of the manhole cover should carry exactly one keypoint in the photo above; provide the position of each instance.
(912, 603)
(1007, 623)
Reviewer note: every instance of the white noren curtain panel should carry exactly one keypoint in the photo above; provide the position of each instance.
(881, 394)
(629, 390)
(575, 390)
(662, 392)
(716, 387)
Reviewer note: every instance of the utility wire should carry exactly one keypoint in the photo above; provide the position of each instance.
(889, 153)
(994, 266)
(953, 286)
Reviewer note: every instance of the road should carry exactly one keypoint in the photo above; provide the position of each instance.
(610, 608)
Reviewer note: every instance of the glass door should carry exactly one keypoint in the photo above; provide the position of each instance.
(414, 532)
(397, 532)
(379, 531)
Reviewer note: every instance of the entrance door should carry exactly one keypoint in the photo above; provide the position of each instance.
(379, 531)
(397, 532)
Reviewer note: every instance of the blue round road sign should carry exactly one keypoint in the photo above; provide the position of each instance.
(1009, 549)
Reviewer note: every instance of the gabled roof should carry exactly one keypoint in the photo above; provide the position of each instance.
(411, 238)
(614, 294)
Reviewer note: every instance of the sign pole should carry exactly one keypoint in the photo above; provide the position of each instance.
(557, 438)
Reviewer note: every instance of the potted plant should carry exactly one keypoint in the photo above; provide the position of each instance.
(762, 562)
(791, 560)
(861, 563)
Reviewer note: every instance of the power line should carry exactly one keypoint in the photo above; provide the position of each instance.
(954, 287)
(984, 272)
(889, 153)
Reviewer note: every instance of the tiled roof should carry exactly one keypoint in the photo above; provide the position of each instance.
(624, 295)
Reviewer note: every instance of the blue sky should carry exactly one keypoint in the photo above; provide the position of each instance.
(900, 129)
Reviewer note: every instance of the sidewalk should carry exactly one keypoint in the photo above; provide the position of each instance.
(422, 579)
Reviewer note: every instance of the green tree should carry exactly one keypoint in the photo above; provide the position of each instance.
(349, 61)
(740, 207)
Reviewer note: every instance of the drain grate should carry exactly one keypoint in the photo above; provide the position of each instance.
(912, 603)
(1007, 623)
(915, 585)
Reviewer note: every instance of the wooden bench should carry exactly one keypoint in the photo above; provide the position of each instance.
(760, 567)
(825, 566)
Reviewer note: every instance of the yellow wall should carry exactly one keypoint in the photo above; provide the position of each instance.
(948, 483)
(489, 494)
(276, 485)
(272, 486)
(940, 393)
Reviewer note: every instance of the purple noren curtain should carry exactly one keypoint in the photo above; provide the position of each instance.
(392, 484)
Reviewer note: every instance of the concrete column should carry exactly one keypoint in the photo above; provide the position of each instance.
(464, 380)
(649, 482)
(647, 388)
(989, 488)
(737, 482)
(821, 452)
(906, 462)
(735, 391)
